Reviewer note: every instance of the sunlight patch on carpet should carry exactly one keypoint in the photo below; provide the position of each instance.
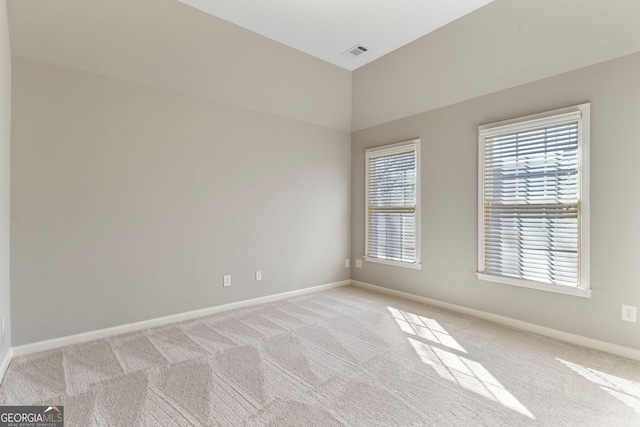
(424, 327)
(622, 389)
(468, 374)
(465, 372)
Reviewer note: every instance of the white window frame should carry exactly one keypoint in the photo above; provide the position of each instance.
(389, 150)
(582, 112)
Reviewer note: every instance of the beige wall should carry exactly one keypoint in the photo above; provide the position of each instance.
(501, 45)
(222, 152)
(449, 202)
(130, 203)
(5, 138)
(169, 45)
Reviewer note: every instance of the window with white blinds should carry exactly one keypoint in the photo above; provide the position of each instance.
(533, 210)
(392, 199)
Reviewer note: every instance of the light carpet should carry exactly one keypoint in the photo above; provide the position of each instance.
(341, 357)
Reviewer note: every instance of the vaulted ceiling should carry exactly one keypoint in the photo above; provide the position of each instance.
(327, 29)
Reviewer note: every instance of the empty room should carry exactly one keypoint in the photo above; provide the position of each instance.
(318, 213)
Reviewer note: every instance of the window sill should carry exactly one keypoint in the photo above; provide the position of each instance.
(413, 266)
(559, 289)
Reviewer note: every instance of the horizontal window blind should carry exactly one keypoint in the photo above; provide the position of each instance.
(532, 203)
(392, 203)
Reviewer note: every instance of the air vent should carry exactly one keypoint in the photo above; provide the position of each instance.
(355, 51)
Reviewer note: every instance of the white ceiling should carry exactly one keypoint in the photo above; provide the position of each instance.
(327, 28)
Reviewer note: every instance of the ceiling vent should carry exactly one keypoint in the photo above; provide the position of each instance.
(355, 51)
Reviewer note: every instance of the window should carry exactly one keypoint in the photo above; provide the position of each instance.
(393, 204)
(533, 201)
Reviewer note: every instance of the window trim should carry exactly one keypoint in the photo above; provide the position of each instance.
(583, 113)
(392, 149)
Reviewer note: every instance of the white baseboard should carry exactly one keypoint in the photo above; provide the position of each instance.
(619, 350)
(36, 347)
(162, 321)
(5, 363)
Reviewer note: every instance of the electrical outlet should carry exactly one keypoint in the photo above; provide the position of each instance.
(347, 263)
(258, 276)
(629, 313)
(226, 280)
(2, 322)
(358, 263)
